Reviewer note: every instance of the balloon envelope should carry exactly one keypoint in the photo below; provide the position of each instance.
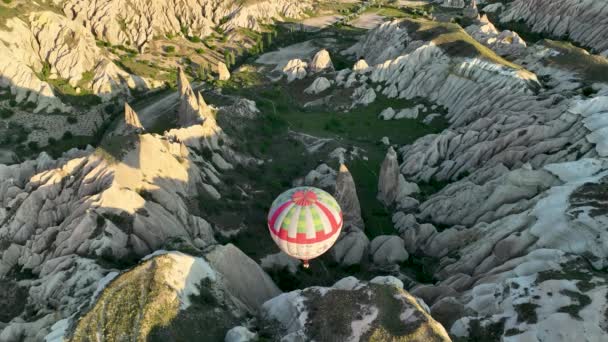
(305, 222)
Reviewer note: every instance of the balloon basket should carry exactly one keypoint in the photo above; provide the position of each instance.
(305, 264)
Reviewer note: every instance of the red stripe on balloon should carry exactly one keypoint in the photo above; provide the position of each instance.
(301, 238)
(330, 216)
(276, 214)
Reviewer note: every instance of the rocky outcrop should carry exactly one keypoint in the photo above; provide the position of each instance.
(388, 249)
(162, 289)
(223, 74)
(47, 46)
(389, 178)
(117, 203)
(193, 109)
(453, 3)
(361, 315)
(321, 62)
(135, 23)
(361, 66)
(295, 69)
(132, 123)
(582, 22)
(319, 85)
(346, 196)
(504, 43)
(351, 247)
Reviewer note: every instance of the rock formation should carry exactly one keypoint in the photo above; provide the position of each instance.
(505, 43)
(523, 160)
(359, 317)
(222, 72)
(170, 282)
(321, 62)
(66, 49)
(388, 249)
(346, 195)
(193, 109)
(580, 21)
(453, 3)
(132, 123)
(159, 18)
(295, 69)
(351, 247)
(319, 85)
(361, 66)
(389, 178)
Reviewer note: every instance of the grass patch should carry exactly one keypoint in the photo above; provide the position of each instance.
(453, 39)
(592, 68)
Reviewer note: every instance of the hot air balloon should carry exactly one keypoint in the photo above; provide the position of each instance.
(305, 222)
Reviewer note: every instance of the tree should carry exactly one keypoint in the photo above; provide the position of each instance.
(227, 58)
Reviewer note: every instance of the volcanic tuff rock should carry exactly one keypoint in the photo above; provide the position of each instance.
(171, 282)
(361, 315)
(389, 178)
(523, 211)
(582, 21)
(115, 203)
(223, 72)
(132, 123)
(67, 48)
(346, 195)
(135, 23)
(295, 69)
(321, 62)
(498, 114)
(505, 43)
(193, 109)
(319, 85)
(388, 249)
(361, 66)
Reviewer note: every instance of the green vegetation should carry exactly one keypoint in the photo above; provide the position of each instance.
(6, 113)
(592, 68)
(453, 39)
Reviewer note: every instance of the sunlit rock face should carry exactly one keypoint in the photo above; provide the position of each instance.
(581, 21)
(378, 310)
(142, 20)
(174, 294)
(526, 165)
(49, 44)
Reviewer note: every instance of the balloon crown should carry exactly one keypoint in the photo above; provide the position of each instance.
(304, 198)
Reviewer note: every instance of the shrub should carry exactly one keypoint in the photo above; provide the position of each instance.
(6, 113)
(194, 39)
(52, 141)
(169, 49)
(32, 145)
(588, 91)
(72, 120)
(67, 135)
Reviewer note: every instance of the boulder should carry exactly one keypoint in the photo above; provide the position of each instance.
(388, 183)
(295, 69)
(388, 249)
(245, 279)
(223, 74)
(387, 114)
(240, 334)
(319, 85)
(361, 66)
(360, 311)
(346, 196)
(363, 96)
(350, 248)
(321, 62)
